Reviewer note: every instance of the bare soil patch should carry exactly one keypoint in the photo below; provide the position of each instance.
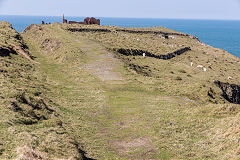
(103, 64)
(142, 147)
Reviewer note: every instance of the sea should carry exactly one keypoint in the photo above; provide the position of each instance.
(224, 34)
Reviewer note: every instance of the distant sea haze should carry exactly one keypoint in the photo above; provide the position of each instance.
(220, 34)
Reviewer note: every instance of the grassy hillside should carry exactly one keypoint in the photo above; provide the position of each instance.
(30, 123)
(86, 96)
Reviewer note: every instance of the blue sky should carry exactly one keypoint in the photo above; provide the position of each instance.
(187, 9)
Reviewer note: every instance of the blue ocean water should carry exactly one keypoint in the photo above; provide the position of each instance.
(217, 33)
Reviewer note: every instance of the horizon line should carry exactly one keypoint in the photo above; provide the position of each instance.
(126, 17)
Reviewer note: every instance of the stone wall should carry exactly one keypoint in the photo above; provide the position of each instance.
(136, 52)
(158, 32)
(74, 22)
(88, 30)
(165, 34)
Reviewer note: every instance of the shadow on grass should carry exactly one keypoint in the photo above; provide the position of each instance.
(81, 152)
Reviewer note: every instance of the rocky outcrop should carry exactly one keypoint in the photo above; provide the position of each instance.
(88, 30)
(135, 52)
(231, 92)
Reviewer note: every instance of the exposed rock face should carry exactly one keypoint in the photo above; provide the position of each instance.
(135, 52)
(231, 92)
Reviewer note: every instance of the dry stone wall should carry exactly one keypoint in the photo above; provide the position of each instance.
(135, 52)
(165, 34)
(157, 32)
(88, 30)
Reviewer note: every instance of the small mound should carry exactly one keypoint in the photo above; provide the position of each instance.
(32, 27)
(50, 45)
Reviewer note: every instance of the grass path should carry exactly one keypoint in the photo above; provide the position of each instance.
(113, 115)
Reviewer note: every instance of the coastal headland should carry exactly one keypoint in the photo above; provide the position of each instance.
(75, 91)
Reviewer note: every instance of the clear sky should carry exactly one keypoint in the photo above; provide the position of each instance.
(187, 9)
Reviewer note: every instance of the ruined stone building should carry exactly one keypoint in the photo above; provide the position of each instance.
(64, 20)
(87, 21)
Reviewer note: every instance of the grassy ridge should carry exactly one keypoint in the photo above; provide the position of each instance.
(138, 108)
(31, 125)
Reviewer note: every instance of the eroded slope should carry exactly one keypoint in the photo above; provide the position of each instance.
(30, 122)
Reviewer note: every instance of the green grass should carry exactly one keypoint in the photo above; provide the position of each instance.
(143, 117)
